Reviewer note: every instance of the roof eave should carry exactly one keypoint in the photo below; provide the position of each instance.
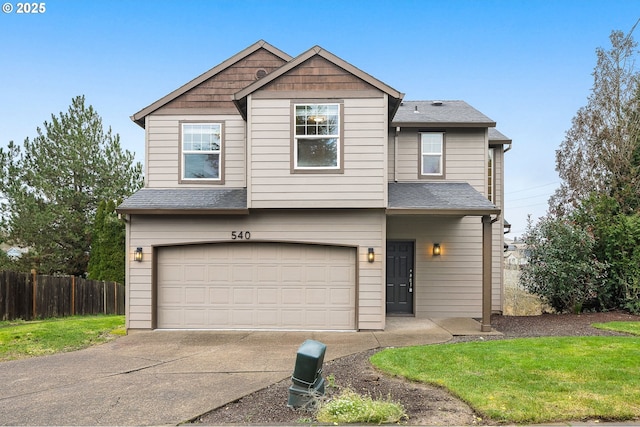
(442, 212)
(444, 124)
(162, 211)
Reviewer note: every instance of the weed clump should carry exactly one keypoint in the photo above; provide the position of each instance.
(351, 407)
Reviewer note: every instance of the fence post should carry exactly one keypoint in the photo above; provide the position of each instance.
(34, 279)
(73, 295)
(104, 297)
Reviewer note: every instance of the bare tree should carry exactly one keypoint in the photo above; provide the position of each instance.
(600, 152)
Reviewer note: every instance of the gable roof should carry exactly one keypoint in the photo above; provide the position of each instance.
(440, 113)
(240, 97)
(261, 44)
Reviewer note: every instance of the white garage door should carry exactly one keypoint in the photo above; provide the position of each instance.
(256, 286)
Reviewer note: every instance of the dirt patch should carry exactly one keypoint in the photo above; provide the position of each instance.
(425, 405)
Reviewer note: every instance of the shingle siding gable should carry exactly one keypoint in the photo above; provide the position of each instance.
(317, 74)
(217, 91)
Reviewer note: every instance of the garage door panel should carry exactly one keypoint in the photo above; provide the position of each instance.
(172, 317)
(193, 295)
(195, 272)
(243, 296)
(339, 296)
(292, 296)
(195, 318)
(256, 286)
(171, 273)
(267, 273)
(218, 295)
(171, 295)
(316, 297)
(219, 316)
(268, 318)
(268, 296)
(242, 273)
(243, 318)
(341, 274)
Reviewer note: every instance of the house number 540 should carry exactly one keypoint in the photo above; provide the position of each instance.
(240, 235)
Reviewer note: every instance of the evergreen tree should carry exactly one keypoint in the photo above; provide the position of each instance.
(107, 261)
(52, 185)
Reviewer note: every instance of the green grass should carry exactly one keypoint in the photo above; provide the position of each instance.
(632, 328)
(535, 380)
(20, 339)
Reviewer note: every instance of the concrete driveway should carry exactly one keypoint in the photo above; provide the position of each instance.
(168, 377)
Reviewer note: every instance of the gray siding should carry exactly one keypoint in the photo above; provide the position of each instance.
(361, 229)
(449, 285)
(465, 156)
(361, 184)
(163, 146)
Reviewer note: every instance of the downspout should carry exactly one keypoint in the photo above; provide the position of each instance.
(507, 149)
(395, 154)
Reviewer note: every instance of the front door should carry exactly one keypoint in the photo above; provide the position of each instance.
(400, 277)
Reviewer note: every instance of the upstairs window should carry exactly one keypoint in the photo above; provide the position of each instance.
(431, 154)
(201, 151)
(317, 141)
(491, 178)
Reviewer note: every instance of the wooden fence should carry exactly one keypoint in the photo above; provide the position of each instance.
(32, 296)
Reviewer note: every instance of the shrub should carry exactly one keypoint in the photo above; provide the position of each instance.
(562, 267)
(617, 236)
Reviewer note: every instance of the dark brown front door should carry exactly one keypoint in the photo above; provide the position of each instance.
(400, 277)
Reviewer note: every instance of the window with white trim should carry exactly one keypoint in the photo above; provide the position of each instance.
(201, 151)
(431, 153)
(317, 136)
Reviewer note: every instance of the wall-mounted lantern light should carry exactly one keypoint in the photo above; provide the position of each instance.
(371, 256)
(436, 249)
(137, 255)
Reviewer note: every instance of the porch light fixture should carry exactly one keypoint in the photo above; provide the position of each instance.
(137, 255)
(371, 256)
(436, 249)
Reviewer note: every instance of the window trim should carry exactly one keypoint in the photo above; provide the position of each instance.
(442, 174)
(200, 181)
(294, 168)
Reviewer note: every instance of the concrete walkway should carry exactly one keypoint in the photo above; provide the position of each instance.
(168, 377)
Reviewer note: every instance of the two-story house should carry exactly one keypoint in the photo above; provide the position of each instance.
(304, 194)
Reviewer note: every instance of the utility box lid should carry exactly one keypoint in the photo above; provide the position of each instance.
(309, 362)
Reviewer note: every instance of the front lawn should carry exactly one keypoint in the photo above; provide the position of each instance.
(20, 339)
(531, 380)
(632, 328)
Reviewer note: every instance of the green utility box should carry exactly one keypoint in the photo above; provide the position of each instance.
(307, 375)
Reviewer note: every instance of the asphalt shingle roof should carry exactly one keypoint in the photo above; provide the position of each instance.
(447, 197)
(148, 200)
(440, 113)
(496, 136)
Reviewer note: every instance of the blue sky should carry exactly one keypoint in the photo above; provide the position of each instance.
(526, 64)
